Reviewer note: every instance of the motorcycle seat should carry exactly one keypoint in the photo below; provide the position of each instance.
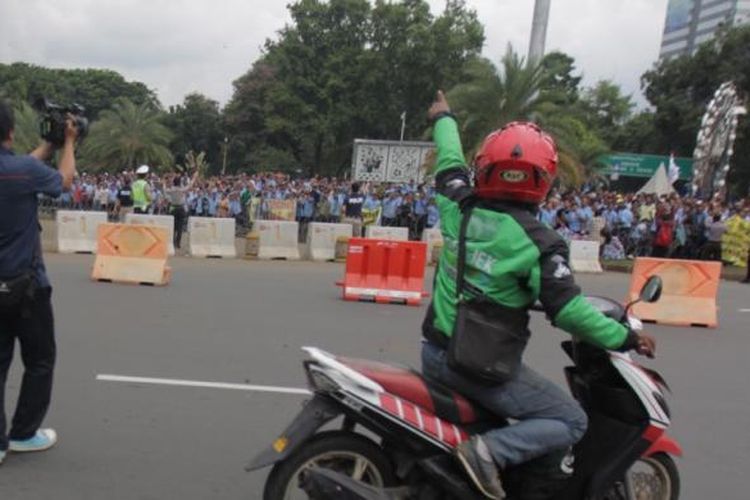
(412, 386)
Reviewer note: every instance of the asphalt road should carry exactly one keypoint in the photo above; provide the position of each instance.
(243, 322)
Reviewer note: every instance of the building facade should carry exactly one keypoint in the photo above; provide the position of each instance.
(690, 23)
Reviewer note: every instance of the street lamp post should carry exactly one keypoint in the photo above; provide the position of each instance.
(538, 31)
(224, 161)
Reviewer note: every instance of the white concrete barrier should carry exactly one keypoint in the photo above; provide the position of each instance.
(278, 240)
(322, 237)
(165, 221)
(431, 237)
(387, 233)
(597, 225)
(584, 256)
(211, 237)
(49, 235)
(76, 231)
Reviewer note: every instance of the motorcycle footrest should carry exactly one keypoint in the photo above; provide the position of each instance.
(443, 469)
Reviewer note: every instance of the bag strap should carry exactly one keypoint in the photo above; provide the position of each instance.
(461, 264)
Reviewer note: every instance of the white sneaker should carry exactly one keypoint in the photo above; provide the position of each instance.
(44, 439)
(2, 456)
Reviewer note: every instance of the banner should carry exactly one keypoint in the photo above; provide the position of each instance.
(736, 242)
(637, 165)
(253, 209)
(370, 217)
(282, 210)
(389, 161)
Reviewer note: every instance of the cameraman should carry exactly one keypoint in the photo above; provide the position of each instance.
(25, 291)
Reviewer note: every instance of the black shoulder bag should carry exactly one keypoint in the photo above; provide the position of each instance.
(488, 338)
(17, 292)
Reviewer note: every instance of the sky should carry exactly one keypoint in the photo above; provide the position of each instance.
(182, 46)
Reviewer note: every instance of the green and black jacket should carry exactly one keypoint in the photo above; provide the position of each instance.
(511, 259)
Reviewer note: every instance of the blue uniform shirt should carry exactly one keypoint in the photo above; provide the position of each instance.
(433, 215)
(390, 207)
(22, 179)
(547, 216)
(626, 217)
(573, 220)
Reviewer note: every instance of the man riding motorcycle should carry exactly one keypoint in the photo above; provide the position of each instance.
(497, 261)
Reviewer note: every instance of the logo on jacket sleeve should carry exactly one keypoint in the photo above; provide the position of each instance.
(562, 270)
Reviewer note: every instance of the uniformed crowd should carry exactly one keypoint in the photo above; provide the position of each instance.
(630, 225)
(320, 199)
(645, 224)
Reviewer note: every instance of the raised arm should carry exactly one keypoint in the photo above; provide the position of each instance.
(451, 176)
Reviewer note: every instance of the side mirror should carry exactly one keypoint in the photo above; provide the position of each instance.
(651, 290)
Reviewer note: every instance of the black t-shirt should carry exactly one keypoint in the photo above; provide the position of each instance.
(125, 195)
(354, 205)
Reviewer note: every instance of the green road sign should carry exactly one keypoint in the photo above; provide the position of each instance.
(635, 165)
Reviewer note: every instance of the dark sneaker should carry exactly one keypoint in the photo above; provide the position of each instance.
(479, 465)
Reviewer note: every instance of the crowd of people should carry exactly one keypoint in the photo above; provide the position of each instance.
(639, 225)
(246, 198)
(628, 225)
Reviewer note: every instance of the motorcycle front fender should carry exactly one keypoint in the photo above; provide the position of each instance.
(316, 413)
(665, 444)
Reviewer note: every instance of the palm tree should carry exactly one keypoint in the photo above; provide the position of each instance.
(492, 97)
(579, 147)
(128, 135)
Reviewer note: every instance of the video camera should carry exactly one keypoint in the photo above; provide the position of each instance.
(52, 123)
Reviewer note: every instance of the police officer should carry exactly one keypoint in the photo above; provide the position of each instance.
(25, 291)
(141, 191)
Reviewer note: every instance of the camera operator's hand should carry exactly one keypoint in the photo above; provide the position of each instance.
(439, 106)
(67, 160)
(646, 345)
(71, 130)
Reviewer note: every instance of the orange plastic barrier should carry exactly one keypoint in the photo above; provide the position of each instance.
(689, 294)
(132, 254)
(385, 271)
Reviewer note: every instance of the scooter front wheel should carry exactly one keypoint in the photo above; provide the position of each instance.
(344, 452)
(653, 478)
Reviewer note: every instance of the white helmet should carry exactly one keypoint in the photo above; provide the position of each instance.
(142, 170)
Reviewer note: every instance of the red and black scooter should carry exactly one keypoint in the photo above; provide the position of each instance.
(396, 432)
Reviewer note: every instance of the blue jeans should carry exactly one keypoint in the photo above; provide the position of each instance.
(548, 419)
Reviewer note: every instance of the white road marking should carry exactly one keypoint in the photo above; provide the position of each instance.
(198, 383)
(745, 310)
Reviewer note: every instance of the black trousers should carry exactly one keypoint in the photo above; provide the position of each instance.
(180, 216)
(36, 336)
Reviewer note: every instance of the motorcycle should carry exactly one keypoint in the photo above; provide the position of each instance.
(396, 432)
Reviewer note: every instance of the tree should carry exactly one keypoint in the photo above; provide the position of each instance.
(126, 136)
(197, 126)
(680, 89)
(560, 85)
(345, 69)
(26, 132)
(637, 135)
(95, 89)
(605, 108)
(491, 97)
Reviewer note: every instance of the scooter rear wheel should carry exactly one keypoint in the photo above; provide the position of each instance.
(344, 452)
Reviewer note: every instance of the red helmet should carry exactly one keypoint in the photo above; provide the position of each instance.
(517, 163)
